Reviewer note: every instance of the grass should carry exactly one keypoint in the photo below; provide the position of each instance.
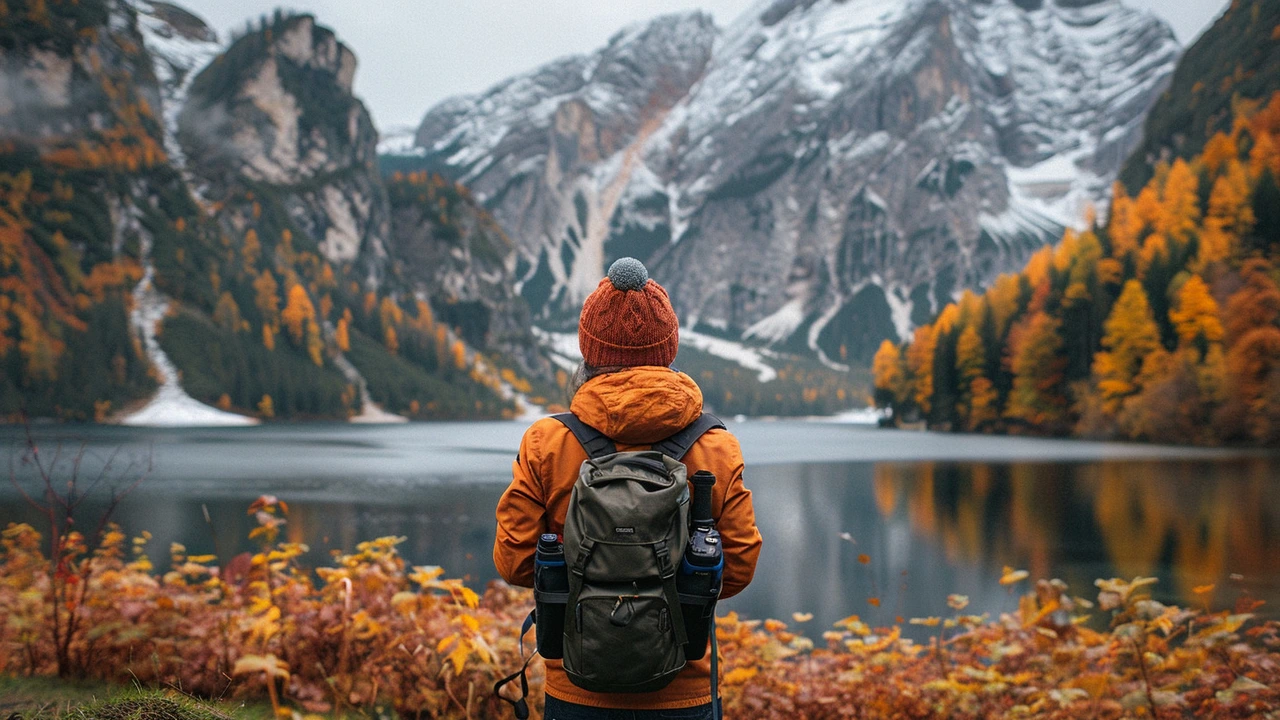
(39, 698)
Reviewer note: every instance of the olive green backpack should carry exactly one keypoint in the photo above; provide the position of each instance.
(624, 537)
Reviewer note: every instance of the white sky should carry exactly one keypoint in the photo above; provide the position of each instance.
(415, 53)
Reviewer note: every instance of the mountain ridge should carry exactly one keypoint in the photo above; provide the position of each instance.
(756, 159)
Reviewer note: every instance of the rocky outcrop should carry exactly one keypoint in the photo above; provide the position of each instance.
(276, 112)
(833, 171)
(450, 251)
(65, 79)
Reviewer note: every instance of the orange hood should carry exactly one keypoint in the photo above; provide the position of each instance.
(638, 405)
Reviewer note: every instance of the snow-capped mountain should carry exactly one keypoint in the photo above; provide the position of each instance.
(822, 172)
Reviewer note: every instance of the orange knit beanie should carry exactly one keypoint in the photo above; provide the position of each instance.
(628, 320)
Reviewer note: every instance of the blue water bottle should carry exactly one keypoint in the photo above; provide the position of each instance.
(550, 593)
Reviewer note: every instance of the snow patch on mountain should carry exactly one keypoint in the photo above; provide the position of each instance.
(171, 406)
(180, 45)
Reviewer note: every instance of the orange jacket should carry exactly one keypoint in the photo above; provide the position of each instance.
(636, 408)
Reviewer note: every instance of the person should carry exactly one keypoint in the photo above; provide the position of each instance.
(628, 334)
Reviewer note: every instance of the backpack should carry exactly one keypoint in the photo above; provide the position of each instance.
(624, 537)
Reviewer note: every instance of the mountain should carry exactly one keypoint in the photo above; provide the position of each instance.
(200, 233)
(1239, 57)
(870, 158)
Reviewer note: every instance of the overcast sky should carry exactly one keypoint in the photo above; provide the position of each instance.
(415, 53)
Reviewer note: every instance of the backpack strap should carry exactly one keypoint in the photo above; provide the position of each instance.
(677, 445)
(598, 445)
(593, 441)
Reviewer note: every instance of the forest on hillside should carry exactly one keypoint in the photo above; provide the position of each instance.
(1161, 323)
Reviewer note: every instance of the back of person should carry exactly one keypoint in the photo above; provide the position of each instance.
(628, 335)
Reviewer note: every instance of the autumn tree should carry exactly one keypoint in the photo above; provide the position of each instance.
(1195, 317)
(1179, 204)
(266, 297)
(889, 379)
(1131, 338)
(298, 312)
(920, 366)
(970, 362)
(342, 335)
(1038, 396)
(1125, 225)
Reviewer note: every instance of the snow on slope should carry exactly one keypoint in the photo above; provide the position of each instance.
(180, 44)
(171, 406)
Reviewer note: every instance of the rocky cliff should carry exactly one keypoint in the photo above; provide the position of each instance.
(276, 112)
(822, 173)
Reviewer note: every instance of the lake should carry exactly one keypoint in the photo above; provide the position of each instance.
(929, 514)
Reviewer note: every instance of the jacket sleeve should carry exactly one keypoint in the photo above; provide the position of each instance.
(739, 535)
(521, 515)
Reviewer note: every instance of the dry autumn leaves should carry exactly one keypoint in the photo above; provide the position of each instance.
(370, 629)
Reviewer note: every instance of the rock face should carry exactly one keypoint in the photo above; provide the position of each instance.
(553, 153)
(823, 173)
(451, 251)
(276, 111)
(51, 75)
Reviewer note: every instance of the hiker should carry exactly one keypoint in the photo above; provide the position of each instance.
(628, 335)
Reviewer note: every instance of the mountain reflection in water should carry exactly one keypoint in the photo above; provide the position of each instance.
(872, 533)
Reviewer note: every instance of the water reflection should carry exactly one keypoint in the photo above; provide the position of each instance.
(926, 529)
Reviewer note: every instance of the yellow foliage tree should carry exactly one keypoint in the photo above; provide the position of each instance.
(298, 312)
(1125, 225)
(1179, 203)
(342, 336)
(1130, 336)
(1038, 365)
(1195, 316)
(1220, 148)
(266, 297)
(266, 408)
(886, 367)
(920, 365)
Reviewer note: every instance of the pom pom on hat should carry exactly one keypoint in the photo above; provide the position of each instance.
(628, 274)
(628, 320)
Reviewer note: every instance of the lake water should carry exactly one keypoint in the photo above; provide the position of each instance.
(933, 514)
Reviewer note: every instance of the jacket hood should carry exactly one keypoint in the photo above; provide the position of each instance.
(638, 405)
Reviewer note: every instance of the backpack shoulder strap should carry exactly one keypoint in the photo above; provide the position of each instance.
(593, 441)
(677, 445)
